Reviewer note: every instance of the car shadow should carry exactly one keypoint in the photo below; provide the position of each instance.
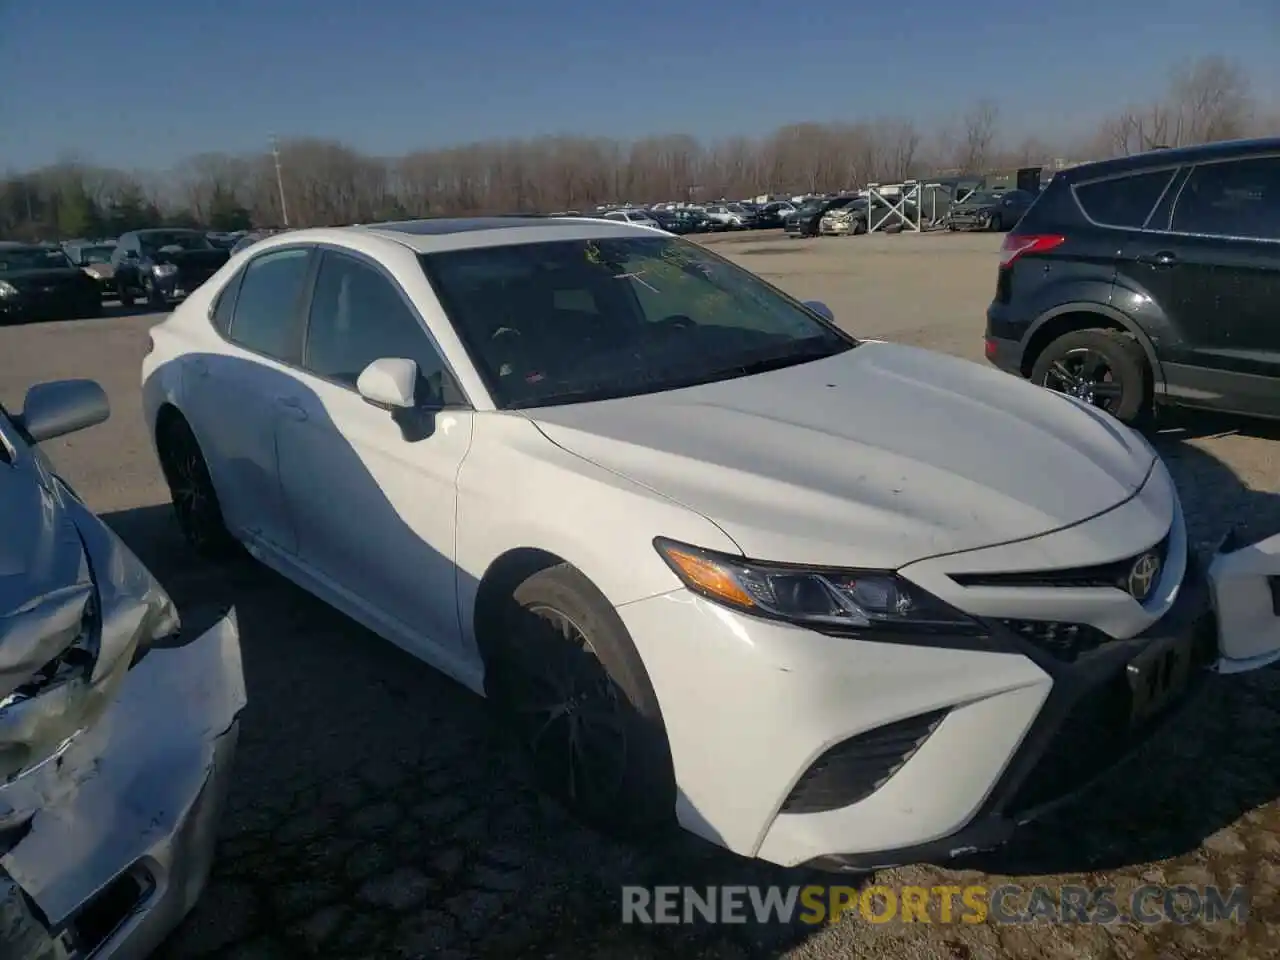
(370, 788)
(1182, 424)
(1190, 791)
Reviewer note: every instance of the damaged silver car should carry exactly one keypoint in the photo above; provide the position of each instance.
(117, 726)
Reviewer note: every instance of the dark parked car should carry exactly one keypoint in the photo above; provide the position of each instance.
(990, 211)
(1149, 280)
(95, 260)
(805, 221)
(163, 265)
(118, 720)
(39, 282)
(771, 215)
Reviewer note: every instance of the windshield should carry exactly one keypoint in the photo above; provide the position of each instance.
(981, 199)
(33, 258)
(96, 254)
(581, 320)
(183, 239)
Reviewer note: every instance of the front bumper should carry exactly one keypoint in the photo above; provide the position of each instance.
(1012, 729)
(970, 221)
(110, 843)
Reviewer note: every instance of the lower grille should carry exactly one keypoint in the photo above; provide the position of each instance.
(856, 768)
(1066, 641)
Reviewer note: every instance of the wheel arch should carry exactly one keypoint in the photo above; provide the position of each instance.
(1085, 316)
(503, 574)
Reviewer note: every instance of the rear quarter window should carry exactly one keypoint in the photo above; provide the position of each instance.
(1124, 201)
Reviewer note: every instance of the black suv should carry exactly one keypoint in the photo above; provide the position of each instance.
(1149, 280)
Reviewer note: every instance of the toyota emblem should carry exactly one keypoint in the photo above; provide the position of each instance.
(1143, 576)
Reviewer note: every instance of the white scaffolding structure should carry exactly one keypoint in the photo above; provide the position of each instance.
(887, 208)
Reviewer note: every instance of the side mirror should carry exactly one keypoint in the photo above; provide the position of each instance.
(389, 383)
(60, 407)
(821, 309)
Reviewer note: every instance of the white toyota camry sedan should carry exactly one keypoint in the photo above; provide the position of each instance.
(820, 600)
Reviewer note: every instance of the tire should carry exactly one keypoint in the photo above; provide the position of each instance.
(996, 224)
(556, 624)
(1124, 358)
(195, 502)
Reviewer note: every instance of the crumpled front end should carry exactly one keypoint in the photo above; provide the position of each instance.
(115, 756)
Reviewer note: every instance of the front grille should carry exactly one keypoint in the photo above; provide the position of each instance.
(1114, 574)
(1066, 641)
(856, 768)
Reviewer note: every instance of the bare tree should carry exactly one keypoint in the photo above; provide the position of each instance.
(978, 136)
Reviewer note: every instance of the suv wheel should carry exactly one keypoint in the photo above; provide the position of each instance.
(1106, 368)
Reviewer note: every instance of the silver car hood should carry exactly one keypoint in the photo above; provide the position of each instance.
(877, 457)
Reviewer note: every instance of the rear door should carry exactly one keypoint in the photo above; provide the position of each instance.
(237, 396)
(1223, 280)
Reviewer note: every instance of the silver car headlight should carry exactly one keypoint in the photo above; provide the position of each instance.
(7, 289)
(875, 601)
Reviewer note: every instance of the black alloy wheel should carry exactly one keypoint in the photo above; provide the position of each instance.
(1105, 368)
(195, 502)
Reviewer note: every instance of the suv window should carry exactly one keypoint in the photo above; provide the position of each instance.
(1239, 198)
(1123, 201)
(266, 308)
(358, 316)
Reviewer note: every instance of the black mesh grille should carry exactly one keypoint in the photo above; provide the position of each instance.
(855, 768)
(1066, 641)
(1114, 574)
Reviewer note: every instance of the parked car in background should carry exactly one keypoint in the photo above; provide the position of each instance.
(249, 239)
(639, 217)
(95, 260)
(771, 215)
(732, 216)
(39, 282)
(223, 241)
(807, 220)
(1149, 281)
(163, 265)
(118, 722)
(985, 210)
(803, 662)
(670, 221)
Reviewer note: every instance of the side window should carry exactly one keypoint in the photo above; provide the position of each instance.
(1123, 201)
(225, 304)
(1238, 198)
(265, 311)
(357, 317)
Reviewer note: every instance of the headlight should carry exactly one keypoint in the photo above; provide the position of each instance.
(826, 599)
(164, 269)
(7, 289)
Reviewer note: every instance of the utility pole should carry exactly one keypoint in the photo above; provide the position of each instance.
(275, 155)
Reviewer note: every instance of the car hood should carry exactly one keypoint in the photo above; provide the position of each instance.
(877, 457)
(59, 275)
(100, 271)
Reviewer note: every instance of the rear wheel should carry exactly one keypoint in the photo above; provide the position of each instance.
(195, 502)
(567, 677)
(1106, 368)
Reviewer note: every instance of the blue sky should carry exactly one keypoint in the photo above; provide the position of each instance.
(144, 84)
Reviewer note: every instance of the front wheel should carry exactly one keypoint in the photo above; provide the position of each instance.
(1106, 368)
(567, 677)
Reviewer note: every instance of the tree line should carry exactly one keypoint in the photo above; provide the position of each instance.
(323, 182)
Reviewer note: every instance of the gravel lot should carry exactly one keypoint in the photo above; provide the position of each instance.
(378, 814)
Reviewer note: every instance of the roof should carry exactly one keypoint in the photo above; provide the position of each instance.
(1177, 156)
(427, 236)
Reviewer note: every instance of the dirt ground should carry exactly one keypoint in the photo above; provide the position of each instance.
(376, 814)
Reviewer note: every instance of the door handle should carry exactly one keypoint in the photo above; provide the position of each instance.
(1162, 259)
(291, 407)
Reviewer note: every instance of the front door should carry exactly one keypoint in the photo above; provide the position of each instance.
(374, 495)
